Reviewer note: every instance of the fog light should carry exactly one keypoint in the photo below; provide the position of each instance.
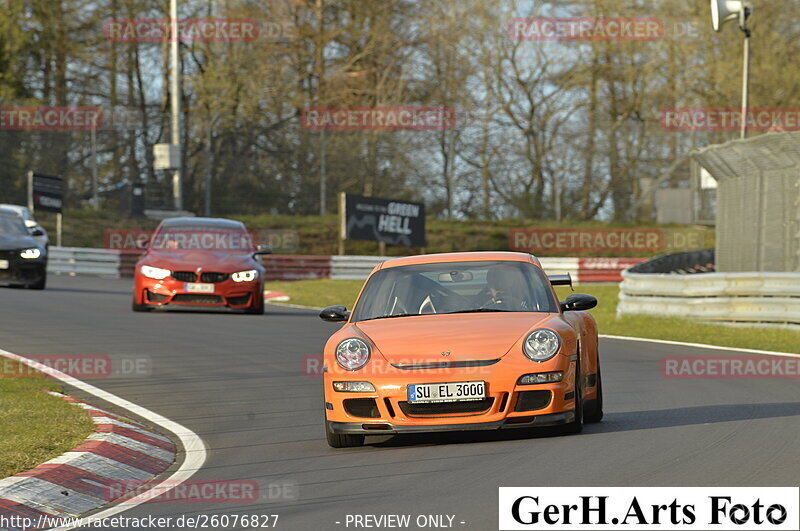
(353, 387)
(541, 378)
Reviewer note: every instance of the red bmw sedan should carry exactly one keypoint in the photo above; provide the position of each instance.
(200, 262)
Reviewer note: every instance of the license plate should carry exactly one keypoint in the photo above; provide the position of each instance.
(199, 288)
(3, 264)
(446, 392)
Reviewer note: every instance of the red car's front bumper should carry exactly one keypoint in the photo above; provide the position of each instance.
(169, 291)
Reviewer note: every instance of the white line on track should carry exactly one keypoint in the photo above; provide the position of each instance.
(192, 444)
(703, 345)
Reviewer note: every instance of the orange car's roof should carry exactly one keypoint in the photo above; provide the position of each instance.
(474, 256)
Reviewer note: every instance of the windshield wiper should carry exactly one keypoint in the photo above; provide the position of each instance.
(389, 316)
(478, 310)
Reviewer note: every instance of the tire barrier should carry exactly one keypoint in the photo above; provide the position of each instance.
(687, 263)
(758, 298)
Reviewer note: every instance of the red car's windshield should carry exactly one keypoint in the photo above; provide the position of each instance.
(198, 237)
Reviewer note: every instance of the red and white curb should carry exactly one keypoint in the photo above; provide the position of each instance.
(121, 451)
(275, 296)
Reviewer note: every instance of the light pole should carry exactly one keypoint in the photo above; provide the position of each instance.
(723, 11)
(177, 184)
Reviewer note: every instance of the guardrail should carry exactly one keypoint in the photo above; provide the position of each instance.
(83, 261)
(354, 267)
(296, 266)
(115, 263)
(747, 298)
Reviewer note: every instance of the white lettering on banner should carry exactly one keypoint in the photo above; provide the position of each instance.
(649, 508)
(404, 209)
(394, 224)
(49, 201)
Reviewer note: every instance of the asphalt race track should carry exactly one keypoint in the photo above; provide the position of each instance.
(236, 381)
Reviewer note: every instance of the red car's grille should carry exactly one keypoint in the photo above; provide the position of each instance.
(446, 408)
(197, 298)
(213, 277)
(191, 276)
(185, 276)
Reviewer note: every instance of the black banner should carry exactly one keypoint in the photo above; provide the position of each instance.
(47, 192)
(392, 221)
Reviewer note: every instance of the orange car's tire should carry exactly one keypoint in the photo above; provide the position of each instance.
(594, 408)
(342, 440)
(576, 426)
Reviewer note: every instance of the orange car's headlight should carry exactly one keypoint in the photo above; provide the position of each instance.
(352, 353)
(541, 345)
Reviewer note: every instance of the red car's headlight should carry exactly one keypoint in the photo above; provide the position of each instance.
(156, 273)
(245, 276)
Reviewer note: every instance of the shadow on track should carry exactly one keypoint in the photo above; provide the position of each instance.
(690, 416)
(612, 422)
(95, 291)
(222, 310)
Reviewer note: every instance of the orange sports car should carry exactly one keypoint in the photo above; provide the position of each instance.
(460, 341)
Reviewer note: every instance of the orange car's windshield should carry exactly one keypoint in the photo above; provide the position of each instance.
(455, 287)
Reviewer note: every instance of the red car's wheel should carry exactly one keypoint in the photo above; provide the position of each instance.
(257, 308)
(136, 307)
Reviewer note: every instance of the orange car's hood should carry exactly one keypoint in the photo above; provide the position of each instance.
(423, 338)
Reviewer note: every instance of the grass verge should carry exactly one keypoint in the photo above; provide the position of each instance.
(321, 293)
(36, 426)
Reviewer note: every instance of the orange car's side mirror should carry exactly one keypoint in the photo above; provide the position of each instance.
(335, 314)
(578, 302)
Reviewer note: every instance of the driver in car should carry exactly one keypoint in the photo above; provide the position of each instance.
(503, 286)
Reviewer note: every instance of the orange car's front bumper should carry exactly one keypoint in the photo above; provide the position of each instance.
(507, 404)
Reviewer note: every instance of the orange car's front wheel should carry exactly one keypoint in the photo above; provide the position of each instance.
(342, 440)
(594, 409)
(576, 426)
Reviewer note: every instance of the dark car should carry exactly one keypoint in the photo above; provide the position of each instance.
(200, 262)
(23, 260)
